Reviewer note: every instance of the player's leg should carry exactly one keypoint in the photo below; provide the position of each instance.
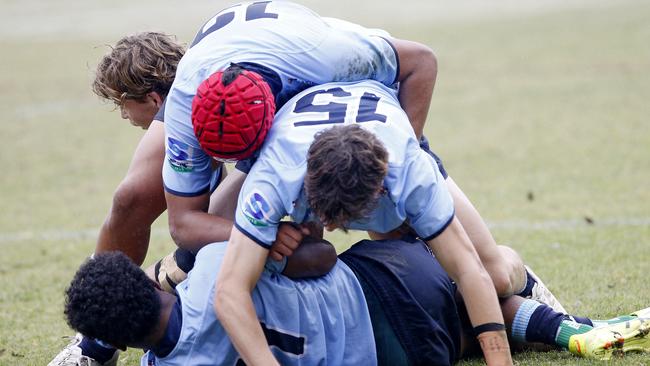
(73, 354)
(504, 266)
(138, 200)
(530, 321)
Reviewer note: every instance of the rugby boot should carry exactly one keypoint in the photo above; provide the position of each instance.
(612, 340)
(541, 293)
(71, 356)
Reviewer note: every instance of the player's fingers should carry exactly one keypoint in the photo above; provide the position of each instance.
(288, 244)
(290, 236)
(275, 255)
(282, 249)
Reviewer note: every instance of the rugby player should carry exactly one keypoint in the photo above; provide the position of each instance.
(385, 302)
(136, 75)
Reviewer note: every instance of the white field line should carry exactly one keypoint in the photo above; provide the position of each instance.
(88, 234)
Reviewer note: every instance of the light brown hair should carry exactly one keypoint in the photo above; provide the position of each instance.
(138, 64)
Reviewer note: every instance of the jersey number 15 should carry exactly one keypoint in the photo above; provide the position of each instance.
(366, 112)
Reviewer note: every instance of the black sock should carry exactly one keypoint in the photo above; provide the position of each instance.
(100, 353)
(527, 292)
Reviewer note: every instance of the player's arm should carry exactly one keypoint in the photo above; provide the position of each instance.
(138, 200)
(240, 270)
(458, 257)
(191, 226)
(418, 69)
(187, 172)
(223, 201)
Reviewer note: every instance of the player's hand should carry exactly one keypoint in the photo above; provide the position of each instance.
(289, 237)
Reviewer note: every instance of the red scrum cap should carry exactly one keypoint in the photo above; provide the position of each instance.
(231, 113)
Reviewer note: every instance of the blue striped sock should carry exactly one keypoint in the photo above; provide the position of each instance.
(520, 322)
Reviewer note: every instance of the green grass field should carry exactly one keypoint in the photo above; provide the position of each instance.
(542, 117)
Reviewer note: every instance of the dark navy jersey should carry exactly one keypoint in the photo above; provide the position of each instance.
(414, 293)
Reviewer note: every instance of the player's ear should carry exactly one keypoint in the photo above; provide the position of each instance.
(157, 98)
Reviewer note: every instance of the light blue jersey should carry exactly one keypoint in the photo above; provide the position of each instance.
(274, 188)
(289, 39)
(322, 321)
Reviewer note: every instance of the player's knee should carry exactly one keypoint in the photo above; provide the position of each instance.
(502, 281)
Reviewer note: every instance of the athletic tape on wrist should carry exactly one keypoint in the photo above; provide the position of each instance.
(488, 327)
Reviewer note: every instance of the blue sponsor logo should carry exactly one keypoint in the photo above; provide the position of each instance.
(257, 210)
(179, 155)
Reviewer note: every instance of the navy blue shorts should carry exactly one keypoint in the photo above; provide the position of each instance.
(406, 286)
(424, 145)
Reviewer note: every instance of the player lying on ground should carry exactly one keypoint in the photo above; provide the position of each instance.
(378, 288)
(410, 188)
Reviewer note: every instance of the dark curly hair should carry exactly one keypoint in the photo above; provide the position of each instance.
(112, 299)
(346, 166)
(138, 64)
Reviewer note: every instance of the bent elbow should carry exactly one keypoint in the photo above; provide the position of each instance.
(125, 200)
(427, 60)
(176, 231)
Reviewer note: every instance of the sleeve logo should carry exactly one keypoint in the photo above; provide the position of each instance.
(257, 209)
(179, 155)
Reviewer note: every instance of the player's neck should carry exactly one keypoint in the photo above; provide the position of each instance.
(167, 302)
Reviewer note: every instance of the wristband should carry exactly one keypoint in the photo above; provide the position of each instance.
(488, 327)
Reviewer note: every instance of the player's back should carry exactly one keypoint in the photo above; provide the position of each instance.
(303, 320)
(288, 38)
(282, 38)
(253, 32)
(275, 184)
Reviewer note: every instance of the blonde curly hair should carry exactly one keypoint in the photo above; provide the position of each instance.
(138, 64)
